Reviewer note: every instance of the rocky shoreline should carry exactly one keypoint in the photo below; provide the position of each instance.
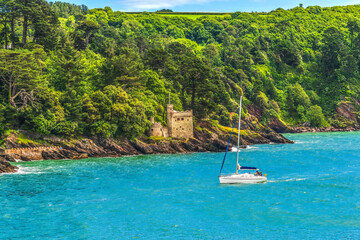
(323, 129)
(207, 138)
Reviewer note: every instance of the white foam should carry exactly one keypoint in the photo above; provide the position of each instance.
(234, 149)
(28, 170)
(288, 180)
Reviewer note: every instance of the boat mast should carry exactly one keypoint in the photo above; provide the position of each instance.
(238, 142)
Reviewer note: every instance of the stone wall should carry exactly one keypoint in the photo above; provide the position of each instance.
(165, 132)
(182, 124)
(34, 153)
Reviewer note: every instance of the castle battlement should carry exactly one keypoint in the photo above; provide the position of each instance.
(187, 111)
(182, 114)
(156, 125)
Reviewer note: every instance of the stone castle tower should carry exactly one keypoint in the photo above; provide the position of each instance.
(157, 130)
(179, 124)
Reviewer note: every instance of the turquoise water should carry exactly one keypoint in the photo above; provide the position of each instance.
(313, 193)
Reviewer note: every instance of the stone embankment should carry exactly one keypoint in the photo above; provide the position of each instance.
(30, 153)
(206, 138)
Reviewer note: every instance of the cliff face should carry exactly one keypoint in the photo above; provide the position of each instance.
(207, 137)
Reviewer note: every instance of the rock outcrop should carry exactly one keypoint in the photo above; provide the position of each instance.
(6, 167)
(279, 126)
(346, 109)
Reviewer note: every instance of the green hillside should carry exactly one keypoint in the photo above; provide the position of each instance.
(73, 71)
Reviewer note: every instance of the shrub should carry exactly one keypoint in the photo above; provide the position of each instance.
(316, 117)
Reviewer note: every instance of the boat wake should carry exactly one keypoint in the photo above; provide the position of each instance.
(251, 147)
(288, 180)
(234, 149)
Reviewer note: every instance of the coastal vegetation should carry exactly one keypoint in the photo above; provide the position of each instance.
(72, 71)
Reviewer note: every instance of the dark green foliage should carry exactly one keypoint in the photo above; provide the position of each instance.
(104, 73)
(164, 10)
(2, 119)
(66, 10)
(20, 75)
(288, 53)
(45, 22)
(83, 32)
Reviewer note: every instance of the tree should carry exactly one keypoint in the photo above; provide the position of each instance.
(164, 10)
(20, 71)
(197, 83)
(83, 33)
(297, 101)
(14, 16)
(66, 70)
(25, 6)
(157, 58)
(127, 64)
(289, 53)
(4, 19)
(38, 15)
(45, 23)
(333, 41)
(354, 27)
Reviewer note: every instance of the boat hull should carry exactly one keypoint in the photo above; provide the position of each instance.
(241, 178)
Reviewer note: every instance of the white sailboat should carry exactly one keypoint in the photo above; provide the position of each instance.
(242, 174)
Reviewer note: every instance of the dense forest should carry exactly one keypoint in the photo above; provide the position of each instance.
(70, 71)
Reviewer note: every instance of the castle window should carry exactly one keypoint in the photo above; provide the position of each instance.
(178, 119)
(182, 119)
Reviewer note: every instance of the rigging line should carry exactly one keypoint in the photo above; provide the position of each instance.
(227, 148)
